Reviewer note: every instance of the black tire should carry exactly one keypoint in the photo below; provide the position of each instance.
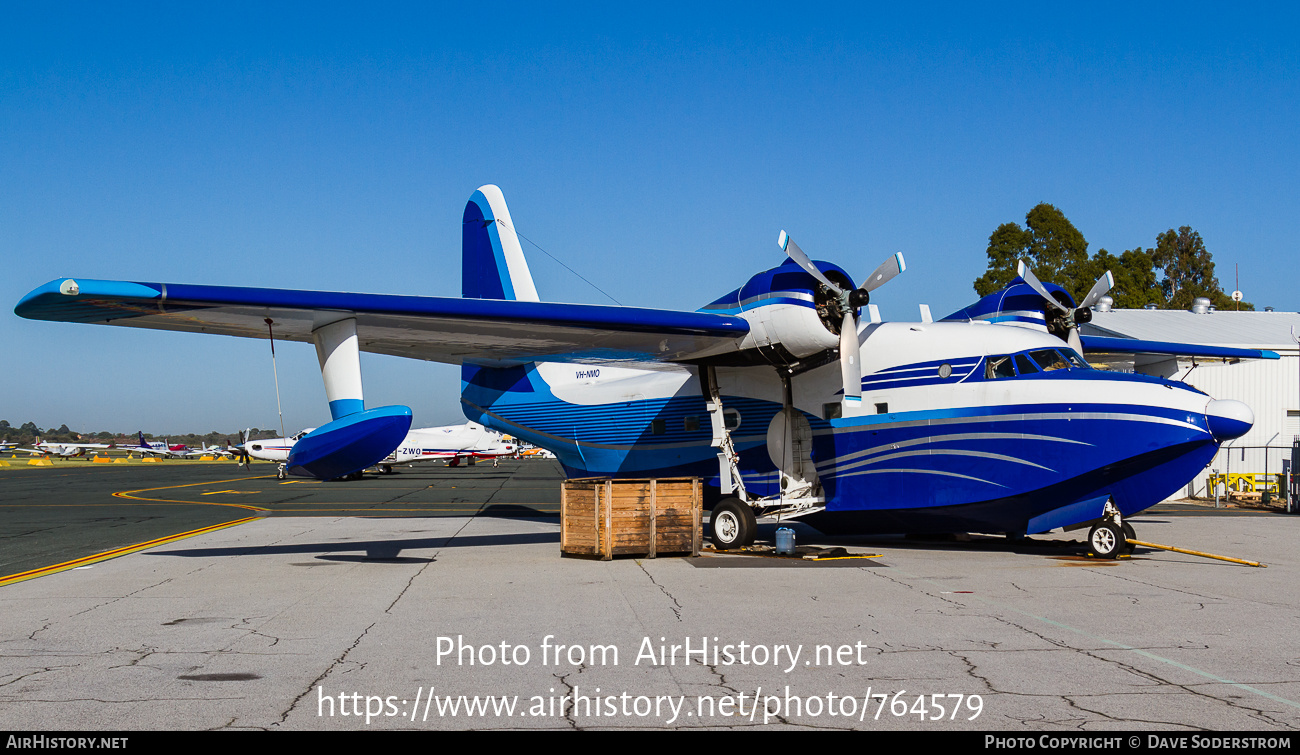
(1106, 540)
(732, 524)
(1129, 534)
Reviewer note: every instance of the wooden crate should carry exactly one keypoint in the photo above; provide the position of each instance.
(605, 517)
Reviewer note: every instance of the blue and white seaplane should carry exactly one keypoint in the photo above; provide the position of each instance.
(778, 394)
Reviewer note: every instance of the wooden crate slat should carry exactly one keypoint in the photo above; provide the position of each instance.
(607, 517)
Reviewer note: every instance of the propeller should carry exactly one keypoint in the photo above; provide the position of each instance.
(244, 460)
(849, 302)
(1069, 319)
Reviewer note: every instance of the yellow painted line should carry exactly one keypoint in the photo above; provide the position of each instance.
(41, 572)
(231, 492)
(130, 494)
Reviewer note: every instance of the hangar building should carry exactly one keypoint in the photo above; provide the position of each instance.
(1270, 387)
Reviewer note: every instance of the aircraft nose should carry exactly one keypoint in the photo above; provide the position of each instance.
(1228, 419)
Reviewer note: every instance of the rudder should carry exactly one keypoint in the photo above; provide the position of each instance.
(492, 262)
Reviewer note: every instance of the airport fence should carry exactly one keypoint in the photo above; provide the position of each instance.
(1255, 473)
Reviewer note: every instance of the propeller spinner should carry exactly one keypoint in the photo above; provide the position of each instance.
(849, 303)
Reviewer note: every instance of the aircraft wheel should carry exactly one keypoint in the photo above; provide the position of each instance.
(732, 524)
(1106, 540)
(1129, 534)
(280, 474)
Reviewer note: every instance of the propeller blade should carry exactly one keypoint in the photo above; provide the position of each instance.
(1099, 290)
(883, 274)
(1028, 276)
(795, 253)
(850, 354)
(1075, 342)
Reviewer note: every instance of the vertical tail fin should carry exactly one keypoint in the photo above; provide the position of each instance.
(492, 262)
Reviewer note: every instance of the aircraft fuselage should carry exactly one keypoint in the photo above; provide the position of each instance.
(959, 427)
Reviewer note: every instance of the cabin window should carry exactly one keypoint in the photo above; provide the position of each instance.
(999, 367)
(690, 424)
(832, 411)
(1024, 366)
(731, 419)
(1049, 360)
(945, 370)
(657, 427)
(882, 408)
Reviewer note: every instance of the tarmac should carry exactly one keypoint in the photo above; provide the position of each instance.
(438, 599)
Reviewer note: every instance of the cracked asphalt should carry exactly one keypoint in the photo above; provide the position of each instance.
(265, 624)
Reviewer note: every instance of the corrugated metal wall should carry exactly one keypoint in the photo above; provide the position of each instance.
(1271, 388)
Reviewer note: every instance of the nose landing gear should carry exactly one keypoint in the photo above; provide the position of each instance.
(1109, 537)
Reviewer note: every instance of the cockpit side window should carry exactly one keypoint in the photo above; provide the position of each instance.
(1049, 360)
(998, 367)
(1024, 365)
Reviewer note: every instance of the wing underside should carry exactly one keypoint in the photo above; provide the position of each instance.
(1128, 347)
(440, 329)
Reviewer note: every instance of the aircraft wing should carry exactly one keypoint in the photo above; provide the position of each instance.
(1107, 345)
(440, 329)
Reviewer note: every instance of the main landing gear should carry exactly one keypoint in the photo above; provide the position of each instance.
(732, 524)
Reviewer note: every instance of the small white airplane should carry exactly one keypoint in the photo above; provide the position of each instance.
(160, 449)
(777, 394)
(212, 450)
(62, 450)
(273, 449)
(451, 443)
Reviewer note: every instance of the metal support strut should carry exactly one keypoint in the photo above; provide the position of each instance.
(728, 460)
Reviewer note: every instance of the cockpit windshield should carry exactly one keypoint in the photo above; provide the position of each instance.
(1033, 363)
(1049, 360)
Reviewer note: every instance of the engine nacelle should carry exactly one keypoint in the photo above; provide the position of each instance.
(791, 315)
(1019, 304)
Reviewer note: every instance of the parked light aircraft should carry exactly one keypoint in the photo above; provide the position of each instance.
(64, 450)
(273, 449)
(776, 393)
(449, 443)
(161, 450)
(452, 442)
(212, 450)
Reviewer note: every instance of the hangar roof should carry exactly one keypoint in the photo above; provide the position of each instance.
(1260, 330)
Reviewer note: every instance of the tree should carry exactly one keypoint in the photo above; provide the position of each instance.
(1136, 283)
(1055, 250)
(1188, 271)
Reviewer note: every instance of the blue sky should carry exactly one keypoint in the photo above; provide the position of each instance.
(658, 152)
